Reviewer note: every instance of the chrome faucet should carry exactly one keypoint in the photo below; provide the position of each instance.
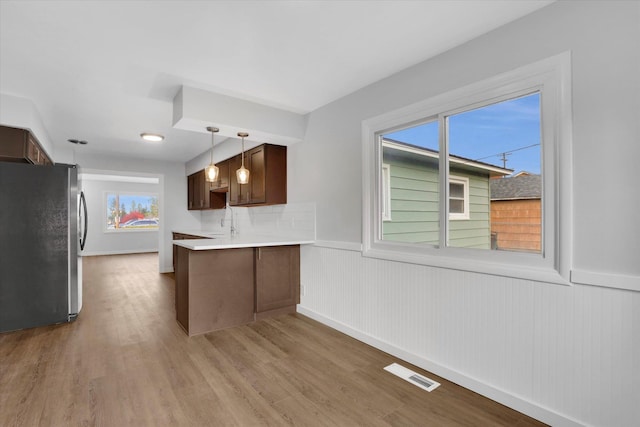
(233, 229)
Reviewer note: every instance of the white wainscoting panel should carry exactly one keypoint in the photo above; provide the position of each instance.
(564, 355)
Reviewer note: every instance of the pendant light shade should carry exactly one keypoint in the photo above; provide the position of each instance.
(211, 172)
(242, 174)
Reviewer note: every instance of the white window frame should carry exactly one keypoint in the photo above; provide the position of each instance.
(385, 188)
(465, 197)
(552, 78)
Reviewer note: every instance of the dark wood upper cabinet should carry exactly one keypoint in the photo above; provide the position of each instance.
(267, 185)
(257, 181)
(199, 194)
(238, 193)
(20, 145)
(222, 183)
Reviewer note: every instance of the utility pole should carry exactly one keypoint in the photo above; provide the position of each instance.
(503, 157)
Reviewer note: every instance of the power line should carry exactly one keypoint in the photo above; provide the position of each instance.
(503, 154)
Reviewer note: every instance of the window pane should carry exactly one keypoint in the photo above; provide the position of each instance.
(456, 206)
(412, 157)
(127, 212)
(497, 147)
(456, 190)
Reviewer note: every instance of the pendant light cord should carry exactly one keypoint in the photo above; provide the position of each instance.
(243, 151)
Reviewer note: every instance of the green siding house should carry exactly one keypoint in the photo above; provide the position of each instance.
(410, 201)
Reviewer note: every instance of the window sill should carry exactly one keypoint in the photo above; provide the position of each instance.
(475, 264)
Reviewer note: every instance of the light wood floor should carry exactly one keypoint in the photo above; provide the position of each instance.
(126, 362)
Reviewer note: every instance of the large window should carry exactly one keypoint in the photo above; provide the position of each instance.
(486, 145)
(131, 212)
(472, 180)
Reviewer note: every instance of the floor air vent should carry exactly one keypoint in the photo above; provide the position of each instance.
(414, 378)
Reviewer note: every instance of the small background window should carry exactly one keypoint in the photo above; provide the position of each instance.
(458, 198)
(132, 212)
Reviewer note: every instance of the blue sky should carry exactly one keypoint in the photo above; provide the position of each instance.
(511, 127)
(126, 199)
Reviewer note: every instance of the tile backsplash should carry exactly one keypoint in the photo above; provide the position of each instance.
(292, 219)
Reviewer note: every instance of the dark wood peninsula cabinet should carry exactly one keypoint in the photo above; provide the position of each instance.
(277, 280)
(221, 288)
(181, 236)
(214, 289)
(20, 145)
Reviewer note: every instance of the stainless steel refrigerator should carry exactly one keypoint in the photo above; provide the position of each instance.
(42, 233)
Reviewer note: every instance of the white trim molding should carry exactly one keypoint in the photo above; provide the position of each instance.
(464, 181)
(345, 246)
(606, 280)
(120, 252)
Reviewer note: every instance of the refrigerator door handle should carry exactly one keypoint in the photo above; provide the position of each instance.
(83, 224)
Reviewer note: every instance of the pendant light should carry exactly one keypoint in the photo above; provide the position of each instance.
(243, 173)
(211, 171)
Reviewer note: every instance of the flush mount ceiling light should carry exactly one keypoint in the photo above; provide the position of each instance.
(211, 171)
(151, 137)
(243, 173)
(77, 141)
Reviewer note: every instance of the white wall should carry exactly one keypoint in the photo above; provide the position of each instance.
(102, 242)
(295, 220)
(566, 355)
(173, 195)
(22, 113)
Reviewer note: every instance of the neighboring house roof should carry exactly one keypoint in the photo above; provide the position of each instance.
(461, 161)
(521, 173)
(517, 187)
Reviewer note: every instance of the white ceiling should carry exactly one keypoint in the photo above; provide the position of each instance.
(105, 71)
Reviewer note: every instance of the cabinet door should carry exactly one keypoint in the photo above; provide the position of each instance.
(223, 176)
(234, 187)
(12, 143)
(200, 196)
(191, 184)
(257, 183)
(33, 152)
(238, 193)
(19, 145)
(277, 278)
(198, 191)
(267, 165)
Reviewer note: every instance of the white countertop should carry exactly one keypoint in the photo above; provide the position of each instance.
(217, 240)
(203, 234)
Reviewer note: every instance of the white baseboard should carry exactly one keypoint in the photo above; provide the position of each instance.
(120, 252)
(517, 403)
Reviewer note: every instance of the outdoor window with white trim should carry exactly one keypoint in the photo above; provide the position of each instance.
(131, 212)
(458, 197)
(472, 177)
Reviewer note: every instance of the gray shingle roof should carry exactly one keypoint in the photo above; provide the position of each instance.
(518, 187)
